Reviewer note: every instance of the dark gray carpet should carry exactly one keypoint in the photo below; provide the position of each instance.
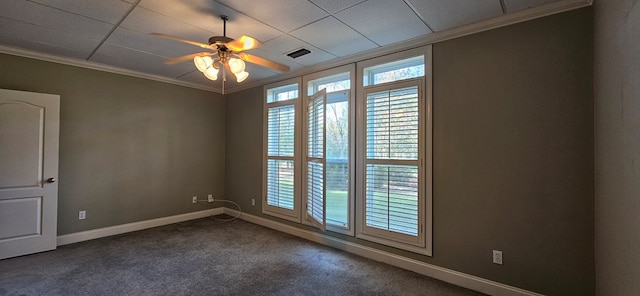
(209, 257)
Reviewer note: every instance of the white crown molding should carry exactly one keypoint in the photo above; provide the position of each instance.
(100, 67)
(451, 276)
(135, 226)
(481, 26)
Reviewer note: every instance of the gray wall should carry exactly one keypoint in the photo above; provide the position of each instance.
(131, 149)
(513, 154)
(617, 145)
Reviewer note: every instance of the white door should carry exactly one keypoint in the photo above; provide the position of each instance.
(29, 127)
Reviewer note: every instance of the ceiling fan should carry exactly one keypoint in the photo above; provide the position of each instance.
(225, 54)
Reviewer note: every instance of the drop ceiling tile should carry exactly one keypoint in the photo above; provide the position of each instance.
(441, 15)
(110, 11)
(145, 21)
(53, 18)
(151, 44)
(257, 73)
(205, 14)
(276, 57)
(517, 5)
(198, 13)
(333, 6)
(383, 21)
(284, 15)
(42, 47)
(41, 35)
(138, 61)
(334, 37)
(195, 76)
(286, 44)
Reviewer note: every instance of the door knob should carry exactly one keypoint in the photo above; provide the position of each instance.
(51, 180)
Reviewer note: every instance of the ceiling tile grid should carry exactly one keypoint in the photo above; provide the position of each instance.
(333, 36)
(287, 43)
(109, 11)
(150, 44)
(43, 47)
(146, 21)
(284, 15)
(384, 22)
(44, 16)
(116, 32)
(517, 5)
(441, 15)
(333, 6)
(139, 61)
(31, 35)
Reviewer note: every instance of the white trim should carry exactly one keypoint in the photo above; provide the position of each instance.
(135, 226)
(351, 70)
(428, 142)
(283, 213)
(100, 67)
(451, 276)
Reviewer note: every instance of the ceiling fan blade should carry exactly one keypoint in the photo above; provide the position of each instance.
(185, 58)
(243, 43)
(263, 62)
(199, 44)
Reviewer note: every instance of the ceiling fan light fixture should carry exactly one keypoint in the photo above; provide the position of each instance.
(240, 77)
(236, 65)
(226, 54)
(211, 73)
(203, 63)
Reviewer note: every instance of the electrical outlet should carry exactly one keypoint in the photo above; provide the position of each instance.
(497, 257)
(253, 202)
(82, 215)
(194, 199)
(210, 198)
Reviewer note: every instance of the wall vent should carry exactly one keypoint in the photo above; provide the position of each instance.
(298, 53)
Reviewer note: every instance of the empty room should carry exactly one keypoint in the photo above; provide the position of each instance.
(319, 147)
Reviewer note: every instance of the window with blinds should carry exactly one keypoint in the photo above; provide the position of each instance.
(281, 164)
(394, 154)
(280, 153)
(392, 126)
(339, 203)
(363, 169)
(315, 160)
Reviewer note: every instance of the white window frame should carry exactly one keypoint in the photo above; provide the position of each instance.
(294, 214)
(351, 68)
(424, 242)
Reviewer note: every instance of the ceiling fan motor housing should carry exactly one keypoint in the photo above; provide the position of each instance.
(219, 40)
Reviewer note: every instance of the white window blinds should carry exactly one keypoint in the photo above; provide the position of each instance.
(280, 153)
(392, 159)
(315, 159)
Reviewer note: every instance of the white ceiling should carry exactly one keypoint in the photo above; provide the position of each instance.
(115, 32)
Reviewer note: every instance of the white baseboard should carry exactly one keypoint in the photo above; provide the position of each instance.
(451, 276)
(135, 226)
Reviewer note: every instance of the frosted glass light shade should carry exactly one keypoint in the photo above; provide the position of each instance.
(202, 63)
(236, 65)
(240, 77)
(211, 73)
